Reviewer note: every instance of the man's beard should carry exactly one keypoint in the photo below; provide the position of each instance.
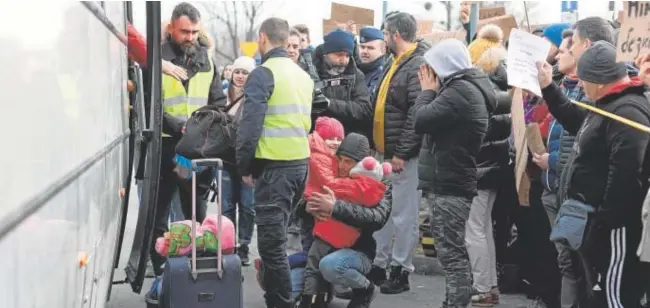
(332, 69)
(187, 49)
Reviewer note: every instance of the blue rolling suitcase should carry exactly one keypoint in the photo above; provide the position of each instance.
(214, 282)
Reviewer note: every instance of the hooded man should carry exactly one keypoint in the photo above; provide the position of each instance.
(609, 171)
(343, 83)
(452, 113)
(372, 49)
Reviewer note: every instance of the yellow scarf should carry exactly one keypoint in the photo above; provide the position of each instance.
(380, 106)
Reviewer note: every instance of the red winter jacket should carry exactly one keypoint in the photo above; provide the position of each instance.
(322, 165)
(136, 46)
(357, 189)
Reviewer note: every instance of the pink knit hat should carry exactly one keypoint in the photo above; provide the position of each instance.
(329, 128)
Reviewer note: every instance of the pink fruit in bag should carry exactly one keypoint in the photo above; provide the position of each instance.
(209, 230)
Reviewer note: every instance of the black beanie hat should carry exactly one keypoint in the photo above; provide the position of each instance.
(354, 146)
(598, 64)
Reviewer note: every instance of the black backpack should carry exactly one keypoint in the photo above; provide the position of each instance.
(209, 133)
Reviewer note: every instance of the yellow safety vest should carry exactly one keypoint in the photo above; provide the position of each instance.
(288, 117)
(180, 103)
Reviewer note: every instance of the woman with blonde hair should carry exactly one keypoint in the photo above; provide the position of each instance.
(488, 37)
(490, 60)
(490, 163)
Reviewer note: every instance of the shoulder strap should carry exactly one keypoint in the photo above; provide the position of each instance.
(233, 103)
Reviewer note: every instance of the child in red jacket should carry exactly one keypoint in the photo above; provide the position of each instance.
(363, 186)
(323, 143)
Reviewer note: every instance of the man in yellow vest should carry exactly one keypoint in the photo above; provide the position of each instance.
(180, 98)
(273, 151)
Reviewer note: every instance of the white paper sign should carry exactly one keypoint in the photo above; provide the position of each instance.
(524, 51)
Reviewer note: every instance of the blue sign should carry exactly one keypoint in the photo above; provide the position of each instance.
(569, 6)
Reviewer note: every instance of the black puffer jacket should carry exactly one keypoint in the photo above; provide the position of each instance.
(349, 97)
(454, 123)
(493, 157)
(611, 165)
(367, 219)
(400, 139)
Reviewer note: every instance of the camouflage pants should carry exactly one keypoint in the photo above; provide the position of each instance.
(448, 217)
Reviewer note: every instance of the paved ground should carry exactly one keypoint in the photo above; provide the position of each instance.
(426, 291)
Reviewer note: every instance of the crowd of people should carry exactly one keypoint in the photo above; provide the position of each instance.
(403, 120)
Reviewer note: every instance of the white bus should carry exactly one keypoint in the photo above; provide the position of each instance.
(69, 127)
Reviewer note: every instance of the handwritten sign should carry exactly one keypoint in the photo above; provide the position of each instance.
(438, 36)
(634, 38)
(524, 51)
(522, 182)
(505, 22)
(491, 12)
(424, 27)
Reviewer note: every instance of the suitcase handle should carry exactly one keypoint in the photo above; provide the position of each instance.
(207, 162)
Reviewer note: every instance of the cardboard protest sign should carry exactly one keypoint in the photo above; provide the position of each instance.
(522, 182)
(505, 22)
(491, 12)
(437, 36)
(344, 14)
(362, 17)
(424, 27)
(329, 25)
(634, 38)
(534, 139)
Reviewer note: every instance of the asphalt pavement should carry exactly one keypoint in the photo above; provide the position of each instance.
(426, 291)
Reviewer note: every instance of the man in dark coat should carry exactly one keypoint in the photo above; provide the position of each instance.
(396, 141)
(342, 82)
(372, 49)
(452, 112)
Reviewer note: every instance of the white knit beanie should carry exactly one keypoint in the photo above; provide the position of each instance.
(244, 63)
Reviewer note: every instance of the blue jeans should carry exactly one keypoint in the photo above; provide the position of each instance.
(296, 281)
(347, 268)
(238, 198)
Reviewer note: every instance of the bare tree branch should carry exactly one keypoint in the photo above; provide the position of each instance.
(234, 35)
(233, 21)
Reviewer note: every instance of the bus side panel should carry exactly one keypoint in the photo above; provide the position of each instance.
(65, 125)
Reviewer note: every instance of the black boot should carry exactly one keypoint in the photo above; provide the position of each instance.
(242, 252)
(398, 282)
(361, 298)
(377, 275)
